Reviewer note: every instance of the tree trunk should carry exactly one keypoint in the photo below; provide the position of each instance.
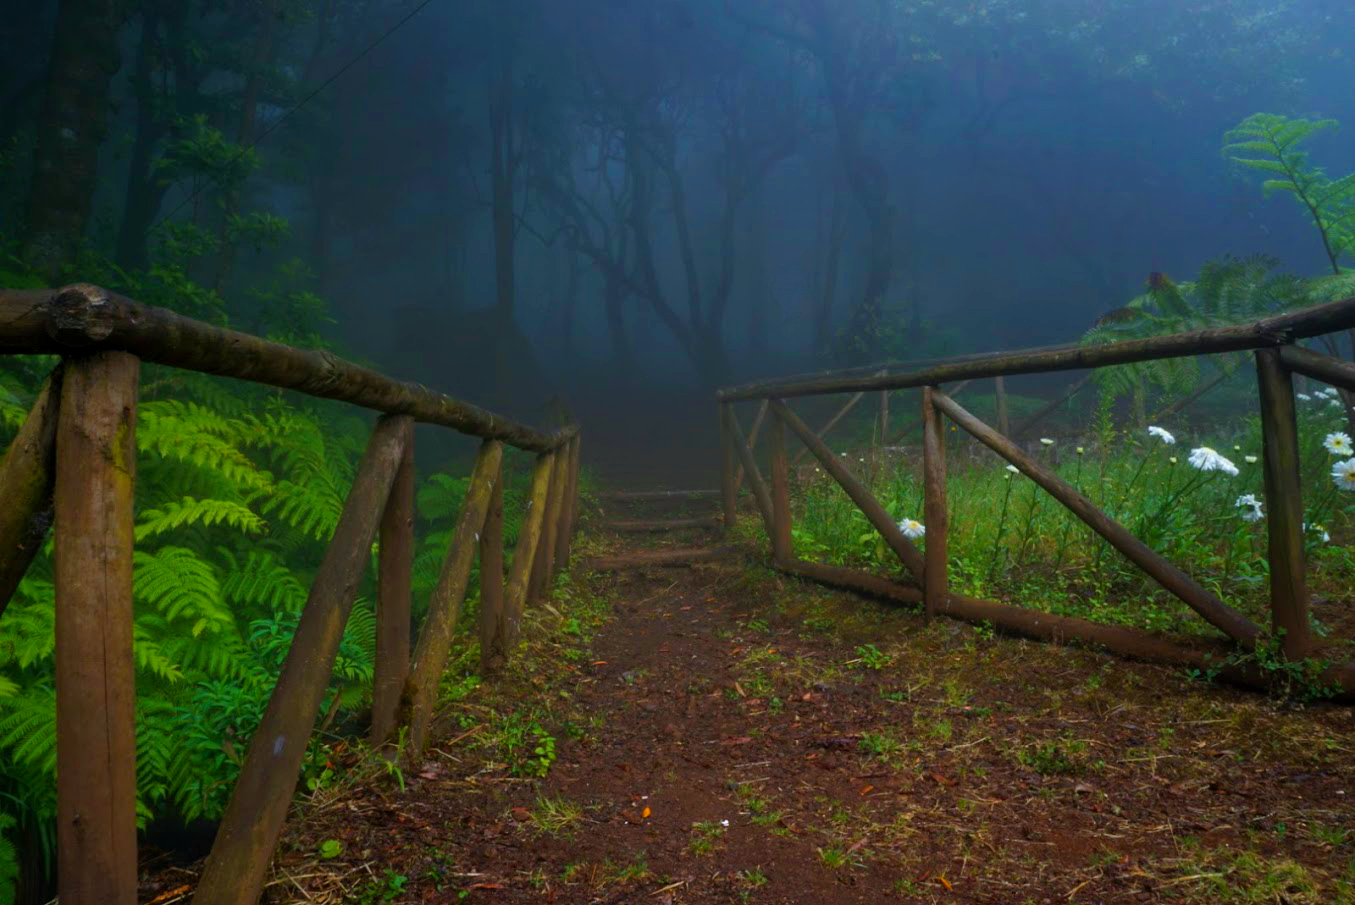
(73, 122)
(144, 193)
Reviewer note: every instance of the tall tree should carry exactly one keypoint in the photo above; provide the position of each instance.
(72, 125)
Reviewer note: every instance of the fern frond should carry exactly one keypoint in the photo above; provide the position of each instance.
(311, 508)
(180, 585)
(261, 579)
(189, 511)
(28, 728)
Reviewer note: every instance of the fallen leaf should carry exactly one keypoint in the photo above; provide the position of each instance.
(599, 662)
(741, 740)
(485, 886)
(646, 812)
(867, 790)
(943, 780)
(944, 882)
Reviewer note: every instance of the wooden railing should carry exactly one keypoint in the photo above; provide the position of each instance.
(73, 465)
(1277, 356)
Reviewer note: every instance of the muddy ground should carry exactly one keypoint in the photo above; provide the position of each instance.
(723, 734)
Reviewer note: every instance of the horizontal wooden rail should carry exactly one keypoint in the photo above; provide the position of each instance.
(1319, 367)
(84, 317)
(1030, 623)
(1279, 330)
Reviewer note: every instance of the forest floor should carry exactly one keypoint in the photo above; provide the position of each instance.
(720, 733)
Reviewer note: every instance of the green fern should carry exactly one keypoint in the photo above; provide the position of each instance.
(181, 585)
(9, 861)
(172, 516)
(1271, 144)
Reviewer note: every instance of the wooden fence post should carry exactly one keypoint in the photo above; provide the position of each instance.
(782, 550)
(524, 556)
(238, 864)
(565, 536)
(935, 582)
(729, 458)
(752, 444)
(550, 530)
(1284, 505)
(444, 604)
(27, 474)
(870, 507)
(95, 676)
(1004, 426)
(395, 563)
(750, 470)
(493, 647)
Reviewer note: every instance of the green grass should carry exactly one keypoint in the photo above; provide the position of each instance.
(1008, 539)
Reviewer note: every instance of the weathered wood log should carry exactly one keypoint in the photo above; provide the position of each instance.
(524, 556)
(1000, 393)
(837, 416)
(571, 503)
(670, 524)
(238, 864)
(729, 459)
(27, 475)
(750, 469)
(782, 549)
(679, 557)
(1137, 644)
(444, 605)
(394, 569)
(95, 676)
(1047, 409)
(550, 530)
(83, 316)
(752, 442)
(1215, 611)
(1278, 330)
(907, 553)
(493, 645)
(658, 496)
(1284, 505)
(935, 580)
(1325, 368)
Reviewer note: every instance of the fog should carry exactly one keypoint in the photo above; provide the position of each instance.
(628, 204)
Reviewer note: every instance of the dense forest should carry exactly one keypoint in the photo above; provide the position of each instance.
(622, 202)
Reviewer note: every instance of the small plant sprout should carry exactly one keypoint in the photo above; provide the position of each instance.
(1250, 460)
(1343, 474)
(1206, 459)
(1251, 508)
(1162, 434)
(912, 528)
(1013, 469)
(1338, 444)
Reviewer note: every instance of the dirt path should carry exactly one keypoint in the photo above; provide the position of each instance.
(721, 734)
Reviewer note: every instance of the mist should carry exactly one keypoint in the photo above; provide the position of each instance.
(628, 204)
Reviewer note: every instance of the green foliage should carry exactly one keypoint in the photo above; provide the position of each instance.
(1227, 291)
(1272, 145)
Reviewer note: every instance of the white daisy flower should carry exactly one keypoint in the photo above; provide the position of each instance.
(1205, 459)
(1013, 469)
(1338, 444)
(1162, 434)
(1303, 397)
(1250, 460)
(1045, 441)
(1320, 531)
(912, 528)
(1172, 460)
(1343, 474)
(1252, 506)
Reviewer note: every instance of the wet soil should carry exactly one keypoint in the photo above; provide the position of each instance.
(724, 734)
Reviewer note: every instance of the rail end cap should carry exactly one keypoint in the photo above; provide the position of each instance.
(81, 314)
